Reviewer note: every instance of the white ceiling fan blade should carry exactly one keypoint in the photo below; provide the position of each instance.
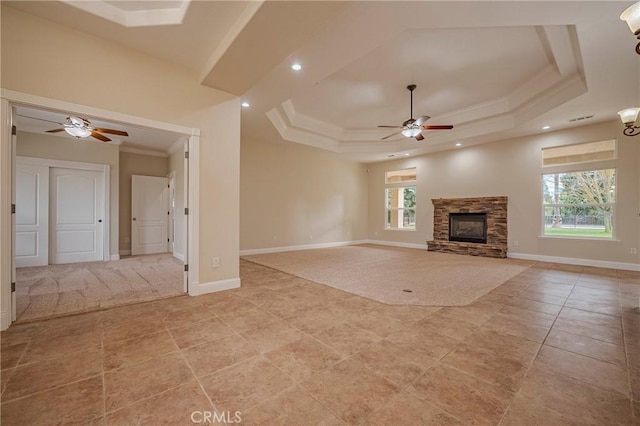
(421, 120)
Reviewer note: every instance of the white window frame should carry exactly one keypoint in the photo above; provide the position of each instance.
(388, 211)
(573, 167)
(569, 169)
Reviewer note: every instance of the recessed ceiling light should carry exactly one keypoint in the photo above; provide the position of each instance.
(546, 127)
(458, 144)
(406, 154)
(296, 67)
(245, 104)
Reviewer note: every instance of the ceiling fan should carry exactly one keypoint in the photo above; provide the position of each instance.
(80, 128)
(412, 128)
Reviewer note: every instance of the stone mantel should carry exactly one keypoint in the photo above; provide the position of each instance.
(496, 210)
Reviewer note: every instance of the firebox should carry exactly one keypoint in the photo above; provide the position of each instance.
(468, 227)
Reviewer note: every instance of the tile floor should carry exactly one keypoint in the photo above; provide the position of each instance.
(556, 345)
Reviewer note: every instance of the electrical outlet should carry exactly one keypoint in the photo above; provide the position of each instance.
(215, 262)
(311, 236)
(634, 250)
(515, 243)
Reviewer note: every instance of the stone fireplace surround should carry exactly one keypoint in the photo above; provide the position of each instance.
(496, 210)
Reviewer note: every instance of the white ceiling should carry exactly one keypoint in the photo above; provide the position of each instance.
(492, 69)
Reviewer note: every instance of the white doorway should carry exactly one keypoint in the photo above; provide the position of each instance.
(190, 240)
(77, 215)
(149, 214)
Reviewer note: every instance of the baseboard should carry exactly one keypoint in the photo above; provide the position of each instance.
(4, 320)
(301, 247)
(178, 256)
(114, 257)
(198, 289)
(125, 252)
(576, 261)
(397, 244)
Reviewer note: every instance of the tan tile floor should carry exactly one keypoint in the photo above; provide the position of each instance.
(555, 345)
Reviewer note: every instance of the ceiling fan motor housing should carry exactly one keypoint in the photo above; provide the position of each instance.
(409, 122)
(78, 122)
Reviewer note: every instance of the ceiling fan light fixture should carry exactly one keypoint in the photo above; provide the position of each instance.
(411, 132)
(78, 132)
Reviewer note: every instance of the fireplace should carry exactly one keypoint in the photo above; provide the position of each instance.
(468, 227)
(488, 238)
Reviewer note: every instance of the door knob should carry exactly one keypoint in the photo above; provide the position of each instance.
(99, 220)
(133, 218)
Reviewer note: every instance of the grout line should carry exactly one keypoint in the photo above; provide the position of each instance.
(186, 360)
(104, 382)
(51, 388)
(626, 354)
(533, 360)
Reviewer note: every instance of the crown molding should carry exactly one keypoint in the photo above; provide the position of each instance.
(143, 152)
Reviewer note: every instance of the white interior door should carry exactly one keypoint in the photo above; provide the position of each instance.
(32, 215)
(149, 218)
(77, 213)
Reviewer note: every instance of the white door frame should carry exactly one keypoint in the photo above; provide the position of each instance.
(106, 176)
(14, 279)
(9, 99)
(189, 232)
(140, 221)
(171, 178)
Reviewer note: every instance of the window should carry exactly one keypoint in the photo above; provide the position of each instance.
(578, 199)
(400, 199)
(579, 204)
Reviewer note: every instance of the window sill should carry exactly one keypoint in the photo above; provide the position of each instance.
(558, 237)
(401, 229)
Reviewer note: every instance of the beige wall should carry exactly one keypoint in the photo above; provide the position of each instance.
(295, 195)
(176, 166)
(83, 151)
(123, 80)
(513, 168)
(135, 164)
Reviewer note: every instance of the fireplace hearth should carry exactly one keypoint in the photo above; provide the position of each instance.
(468, 227)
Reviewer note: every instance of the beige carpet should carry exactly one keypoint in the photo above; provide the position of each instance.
(384, 273)
(54, 290)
